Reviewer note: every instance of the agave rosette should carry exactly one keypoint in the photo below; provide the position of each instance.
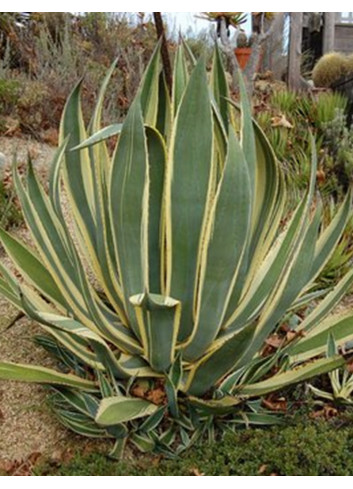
(176, 269)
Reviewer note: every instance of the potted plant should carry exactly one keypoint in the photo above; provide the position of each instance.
(243, 50)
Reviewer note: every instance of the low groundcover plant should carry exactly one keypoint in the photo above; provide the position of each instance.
(159, 297)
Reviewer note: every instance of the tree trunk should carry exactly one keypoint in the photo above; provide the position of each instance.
(274, 49)
(228, 48)
(167, 68)
(295, 50)
(329, 32)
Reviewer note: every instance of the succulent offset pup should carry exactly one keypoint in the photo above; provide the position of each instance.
(193, 269)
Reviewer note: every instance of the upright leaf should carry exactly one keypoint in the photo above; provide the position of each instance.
(187, 202)
(128, 194)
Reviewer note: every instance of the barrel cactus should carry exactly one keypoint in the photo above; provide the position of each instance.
(330, 69)
(177, 268)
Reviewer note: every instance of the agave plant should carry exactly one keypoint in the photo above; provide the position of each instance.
(340, 261)
(341, 381)
(160, 282)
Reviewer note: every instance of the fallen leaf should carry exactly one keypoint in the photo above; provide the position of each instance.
(56, 457)
(291, 335)
(156, 460)
(12, 126)
(34, 457)
(274, 340)
(326, 412)
(6, 466)
(275, 404)
(195, 471)
(50, 136)
(320, 176)
(67, 455)
(285, 328)
(157, 396)
(139, 391)
(281, 121)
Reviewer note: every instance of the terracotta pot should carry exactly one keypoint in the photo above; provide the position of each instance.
(243, 55)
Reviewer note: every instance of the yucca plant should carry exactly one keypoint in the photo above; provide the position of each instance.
(177, 268)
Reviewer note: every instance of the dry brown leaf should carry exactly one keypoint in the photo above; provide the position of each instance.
(51, 136)
(284, 328)
(291, 335)
(20, 467)
(157, 396)
(320, 176)
(274, 340)
(67, 455)
(195, 471)
(34, 457)
(12, 126)
(281, 121)
(6, 466)
(326, 412)
(275, 404)
(139, 391)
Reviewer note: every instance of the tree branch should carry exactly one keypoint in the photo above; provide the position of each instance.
(228, 48)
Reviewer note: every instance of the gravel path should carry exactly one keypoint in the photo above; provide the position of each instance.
(40, 153)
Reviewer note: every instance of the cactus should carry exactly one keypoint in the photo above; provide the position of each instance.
(349, 62)
(330, 69)
(242, 40)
